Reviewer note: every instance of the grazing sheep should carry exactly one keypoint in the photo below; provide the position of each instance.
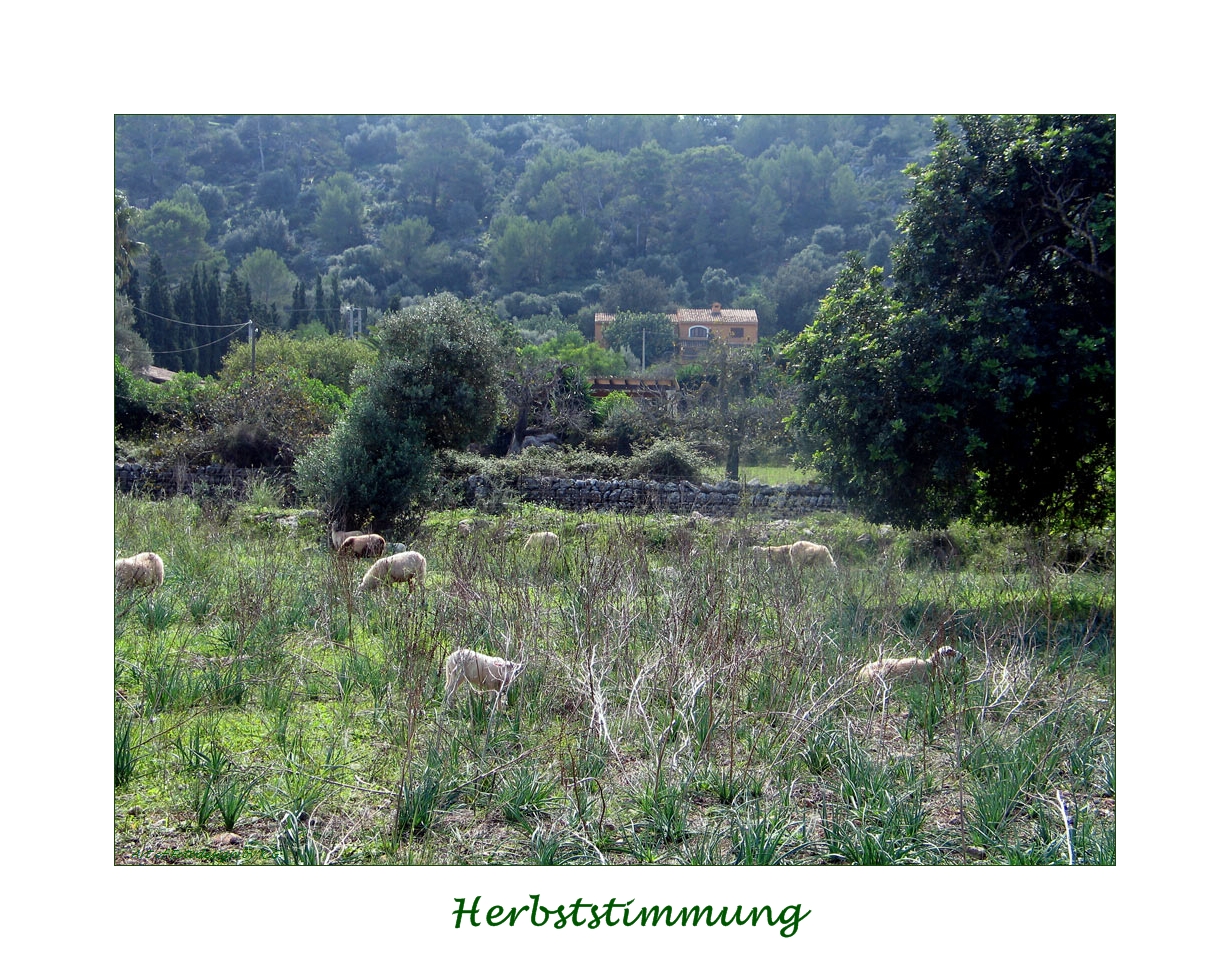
(480, 671)
(361, 546)
(337, 537)
(804, 553)
(779, 552)
(541, 541)
(405, 566)
(800, 554)
(143, 571)
(908, 668)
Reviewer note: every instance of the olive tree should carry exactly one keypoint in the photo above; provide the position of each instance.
(436, 384)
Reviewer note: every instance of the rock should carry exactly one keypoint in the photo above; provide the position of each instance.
(227, 839)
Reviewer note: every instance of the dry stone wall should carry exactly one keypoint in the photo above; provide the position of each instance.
(196, 481)
(724, 499)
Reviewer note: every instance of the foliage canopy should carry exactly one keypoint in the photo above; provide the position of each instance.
(435, 385)
(981, 383)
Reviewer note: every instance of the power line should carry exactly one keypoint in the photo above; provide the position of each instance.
(184, 350)
(185, 323)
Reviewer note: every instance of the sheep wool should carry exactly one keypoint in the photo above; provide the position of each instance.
(141, 571)
(910, 669)
(362, 546)
(777, 552)
(542, 540)
(479, 671)
(804, 553)
(405, 566)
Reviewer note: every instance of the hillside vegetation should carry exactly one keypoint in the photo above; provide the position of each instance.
(545, 215)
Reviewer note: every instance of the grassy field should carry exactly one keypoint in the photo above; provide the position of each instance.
(681, 703)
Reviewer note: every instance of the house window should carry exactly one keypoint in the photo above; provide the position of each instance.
(698, 333)
(736, 331)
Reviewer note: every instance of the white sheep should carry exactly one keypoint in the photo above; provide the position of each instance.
(804, 553)
(541, 541)
(800, 554)
(910, 669)
(480, 671)
(405, 566)
(142, 571)
(361, 546)
(779, 552)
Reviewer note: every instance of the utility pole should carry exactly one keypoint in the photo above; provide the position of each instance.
(252, 344)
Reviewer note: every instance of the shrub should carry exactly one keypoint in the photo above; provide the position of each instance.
(136, 401)
(435, 385)
(668, 459)
(266, 419)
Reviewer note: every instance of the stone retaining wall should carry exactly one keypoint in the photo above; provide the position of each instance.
(195, 481)
(725, 499)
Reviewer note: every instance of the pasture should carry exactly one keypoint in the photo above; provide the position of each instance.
(680, 702)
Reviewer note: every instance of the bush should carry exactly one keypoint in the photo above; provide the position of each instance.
(136, 401)
(435, 385)
(266, 419)
(668, 459)
(331, 359)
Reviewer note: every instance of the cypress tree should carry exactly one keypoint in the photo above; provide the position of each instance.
(186, 342)
(159, 312)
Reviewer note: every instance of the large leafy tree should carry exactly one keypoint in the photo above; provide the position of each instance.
(650, 336)
(436, 384)
(981, 383)
(736, 395)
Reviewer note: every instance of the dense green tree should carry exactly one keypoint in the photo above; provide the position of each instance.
(436, 385)
(570, 347)
(448, 171)
(127, 249)
(331, 359)
(634, 291)
(176, 229)
(262, 419)
(236, 301)
(268, 278)
(339, 218)
(153, 151)
(982, 383)
(649, 336)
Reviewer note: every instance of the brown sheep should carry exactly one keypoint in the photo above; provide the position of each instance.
(142, 571)
(361, 546)
(800, 554)
(778, 552)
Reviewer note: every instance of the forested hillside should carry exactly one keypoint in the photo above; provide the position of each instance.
(290, 219)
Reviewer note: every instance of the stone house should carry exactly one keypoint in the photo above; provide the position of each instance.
(695, 329)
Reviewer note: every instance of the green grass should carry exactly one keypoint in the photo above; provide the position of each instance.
(681, 704)
(768, 474)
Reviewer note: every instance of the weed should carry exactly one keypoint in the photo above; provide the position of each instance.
(760, 838)
(295, 844)
(525, 795)
(125, 751)
(230, 797)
